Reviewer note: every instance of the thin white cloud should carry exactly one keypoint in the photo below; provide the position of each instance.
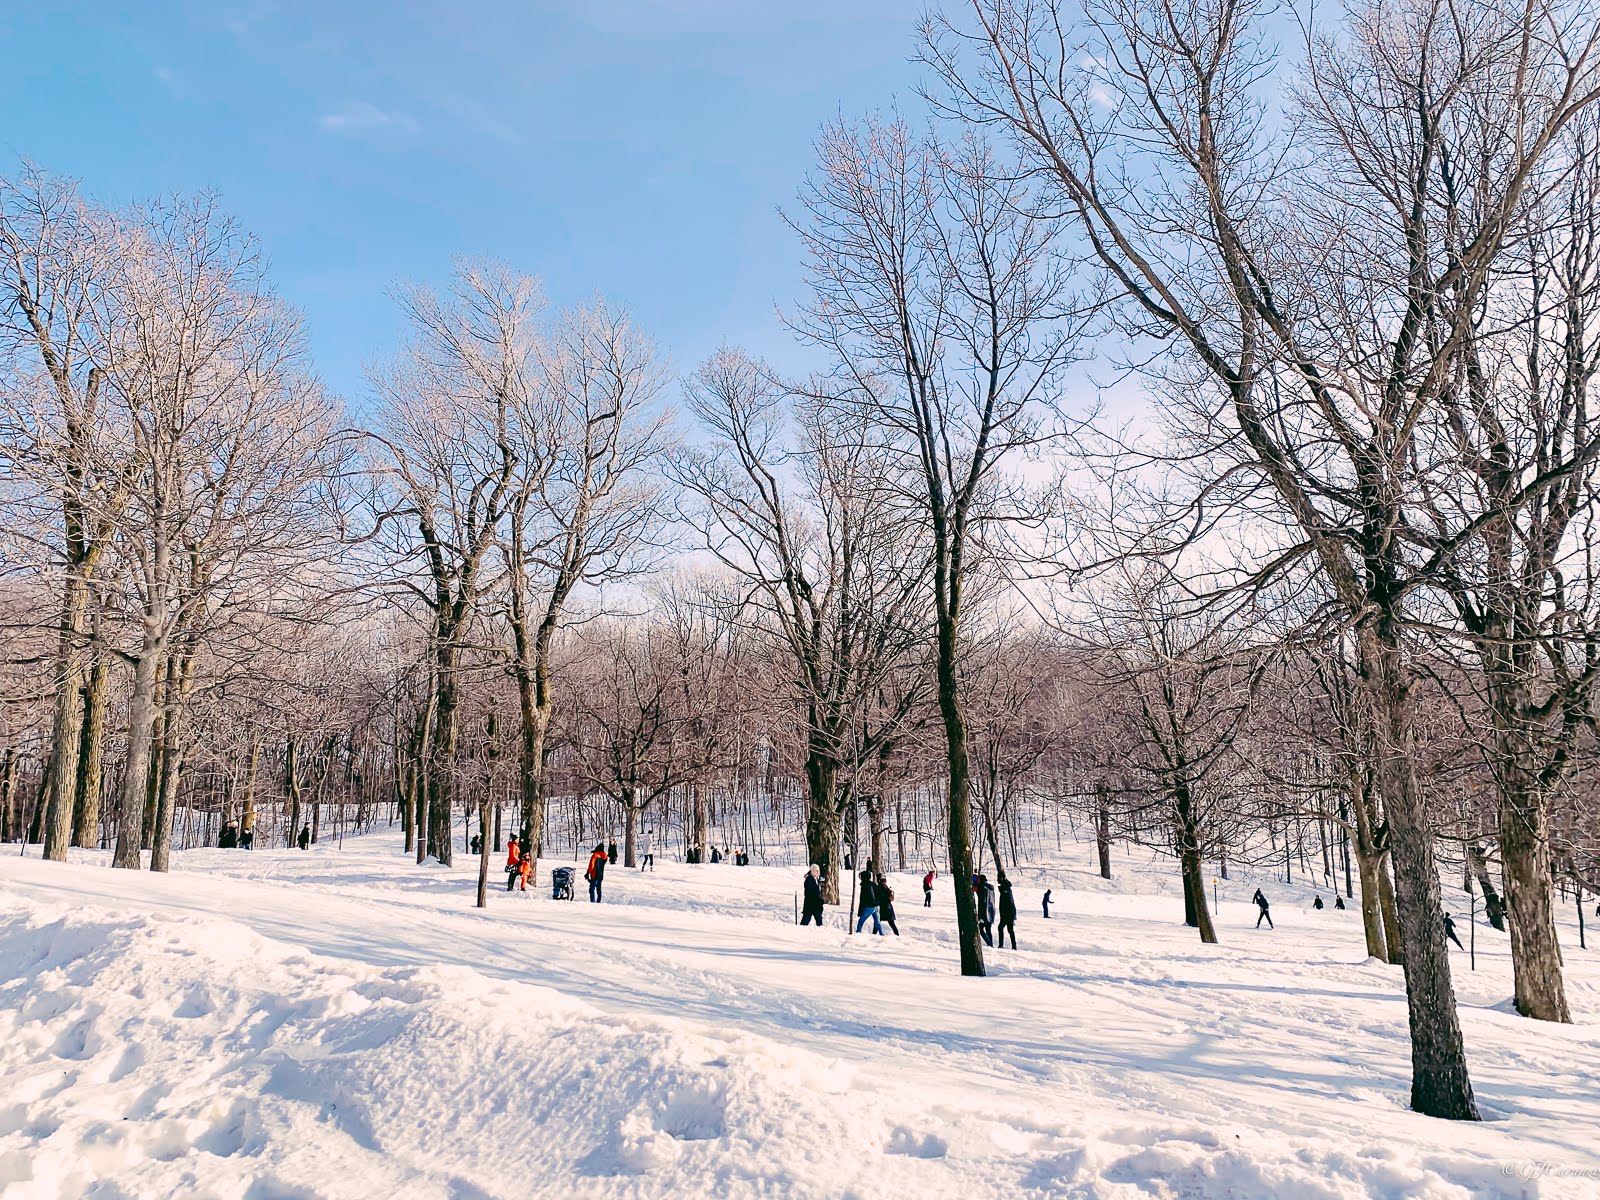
(359, 118)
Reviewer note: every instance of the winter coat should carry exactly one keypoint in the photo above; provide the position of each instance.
(1008, 904)
(869, 893)
(597, 866)
(513, 856)
(988, 904)
(644, 846)
(927, 882)
(1261, 901)
(813, 891)
(885, 900)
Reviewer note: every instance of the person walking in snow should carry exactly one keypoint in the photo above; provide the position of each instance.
(927, 890)
(1008, 913)
(596, 872)
(886, 904)
(477, 843)
(305, 836)
(513, 861)
(611, 852)
(812, 908)
(646, 858)
(1261, 903)
(1047, 904)
(1338, 902)
(868, 906)
(1450, 931)
(986, 909)
(1317, 904)
(247, 839)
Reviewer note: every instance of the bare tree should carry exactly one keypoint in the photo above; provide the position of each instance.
(937, 298)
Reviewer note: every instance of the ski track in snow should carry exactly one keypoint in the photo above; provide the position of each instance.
(341, 1023)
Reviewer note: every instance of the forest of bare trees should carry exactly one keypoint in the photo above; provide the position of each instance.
(1194, 453)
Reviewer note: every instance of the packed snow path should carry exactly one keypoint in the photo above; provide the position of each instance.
(342, 1023)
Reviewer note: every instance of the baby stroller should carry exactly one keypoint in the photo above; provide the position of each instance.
(561, 883)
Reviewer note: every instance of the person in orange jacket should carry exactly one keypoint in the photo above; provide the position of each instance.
(513, 862)
(596, 872)
(525, 871)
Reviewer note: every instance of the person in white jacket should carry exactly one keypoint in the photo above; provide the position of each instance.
(646, 857)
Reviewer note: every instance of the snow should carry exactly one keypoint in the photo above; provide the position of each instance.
(341, 1023)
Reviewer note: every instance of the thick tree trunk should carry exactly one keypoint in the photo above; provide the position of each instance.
(1535, 952)
(822, 821)
(630, 825)
(91, 757)
(1102, 829)
(441, 766)
(171, 759)
(1197, 913)
(1369, 862)
(142, 706)
(1440, 1085)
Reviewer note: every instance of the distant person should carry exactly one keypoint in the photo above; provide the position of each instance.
(247, 839)
(1261, 903)
(886, 904)
(525, 873)
(811, 910)
(513, 861)
(477, 843)
(986, 909)
(1008, 913)
(1047, 904)
(716, 855)
(1338, 902)
(868, 904)
(596, 872)
(305, 836)
(646, 845)
(611, 852)
(1450, 931)
(228, 839)
(927, 890)
(1317, 904)
(849, 860)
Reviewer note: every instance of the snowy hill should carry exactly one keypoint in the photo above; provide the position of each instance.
(342, 1023)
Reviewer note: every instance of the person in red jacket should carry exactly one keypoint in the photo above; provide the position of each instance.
(596, 872)
(513, 862)
(927, 890)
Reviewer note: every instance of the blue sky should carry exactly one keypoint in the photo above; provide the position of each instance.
(637, 148)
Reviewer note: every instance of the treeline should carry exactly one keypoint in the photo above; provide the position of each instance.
(1331, 583)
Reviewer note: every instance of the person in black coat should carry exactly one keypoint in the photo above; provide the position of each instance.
(986, 910)
(611, 853)
(1008, 913)
(1261, 903)
(1047, 904)
(1317, 903)
(1338, 902)
(886, 904)
(812, 909)
(305, 836)
(867, 906)
(1450, 931)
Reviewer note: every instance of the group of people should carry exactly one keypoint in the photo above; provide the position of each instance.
(876, 902)
(234, 838)
(996, 904)
(697, 854)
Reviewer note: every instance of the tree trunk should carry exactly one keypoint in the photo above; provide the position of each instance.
(1369, 862)
(630, 825)
(1493, 906)
(1102, 828)
(1197, 914)
(1440, 1085)
(91, 757)
(958, 830)
(142, 705)
(1535, 952)
(171, 759)
(61, 777)
(822, 821)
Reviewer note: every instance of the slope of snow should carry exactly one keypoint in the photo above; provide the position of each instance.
(341, 1023)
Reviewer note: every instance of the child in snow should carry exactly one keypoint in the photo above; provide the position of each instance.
(1261, 903)
(525, 872)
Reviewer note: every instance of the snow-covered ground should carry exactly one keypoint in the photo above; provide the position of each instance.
(342, 1023)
